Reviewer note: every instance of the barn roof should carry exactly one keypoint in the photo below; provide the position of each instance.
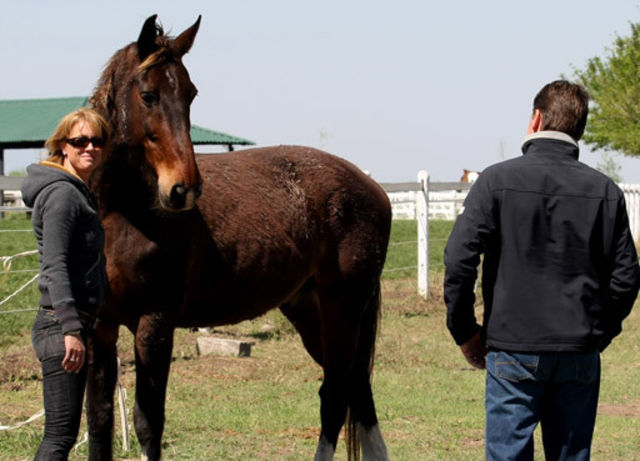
(27, 123)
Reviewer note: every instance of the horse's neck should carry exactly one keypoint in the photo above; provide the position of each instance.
(121, 184)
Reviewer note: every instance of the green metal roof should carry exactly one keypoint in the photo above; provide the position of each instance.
(28, 123)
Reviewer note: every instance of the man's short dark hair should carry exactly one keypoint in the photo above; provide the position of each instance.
(564, 107)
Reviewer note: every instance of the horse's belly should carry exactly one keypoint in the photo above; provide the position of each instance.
(236, 301)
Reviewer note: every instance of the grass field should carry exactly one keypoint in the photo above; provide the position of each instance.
(265, 407)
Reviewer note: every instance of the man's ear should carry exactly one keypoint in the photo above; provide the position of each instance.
(535, 124)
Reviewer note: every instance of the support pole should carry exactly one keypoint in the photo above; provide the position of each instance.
(422, 216)
(122, 401)
(1, 174)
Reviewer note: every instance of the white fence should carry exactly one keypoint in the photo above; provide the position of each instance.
(424, 200)
(632, 197)
(443, 200)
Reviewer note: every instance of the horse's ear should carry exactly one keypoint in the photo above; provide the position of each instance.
(147, 38)
(183, 42)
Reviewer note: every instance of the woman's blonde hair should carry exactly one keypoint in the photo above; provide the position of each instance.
(55, 143)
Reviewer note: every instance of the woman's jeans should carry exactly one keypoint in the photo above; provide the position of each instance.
(558, 389)
(63, 392)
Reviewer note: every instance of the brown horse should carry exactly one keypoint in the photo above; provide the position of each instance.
(223, 239)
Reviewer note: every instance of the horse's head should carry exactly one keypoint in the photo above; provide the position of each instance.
(146, 93)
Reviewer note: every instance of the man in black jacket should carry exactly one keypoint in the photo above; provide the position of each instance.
(560, 273)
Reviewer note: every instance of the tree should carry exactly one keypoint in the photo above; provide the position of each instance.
(613, 82)
(18, 173)
(610, 167)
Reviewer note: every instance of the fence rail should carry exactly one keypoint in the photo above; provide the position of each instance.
(420, 200)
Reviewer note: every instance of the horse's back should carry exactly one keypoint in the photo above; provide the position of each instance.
(290, 189)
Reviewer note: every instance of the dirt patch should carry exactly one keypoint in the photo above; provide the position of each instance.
(307, 433)
(401, 297)
(19, 363)
(222, 368)
(616, 409)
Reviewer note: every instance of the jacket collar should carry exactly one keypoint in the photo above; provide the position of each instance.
(556, 137)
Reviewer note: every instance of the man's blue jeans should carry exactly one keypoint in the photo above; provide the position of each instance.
(557, 389)
(63, 392)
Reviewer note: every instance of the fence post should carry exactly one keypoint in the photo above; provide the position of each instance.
(635, 190)
(422, 216)
(122, 401)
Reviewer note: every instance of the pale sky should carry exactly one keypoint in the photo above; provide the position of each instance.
(393, 86)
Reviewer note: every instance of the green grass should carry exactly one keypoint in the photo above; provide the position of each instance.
(16, 236)
(430, 403)
(265, 407)
(402, 256)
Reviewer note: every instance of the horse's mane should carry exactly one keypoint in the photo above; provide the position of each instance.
(117, 70)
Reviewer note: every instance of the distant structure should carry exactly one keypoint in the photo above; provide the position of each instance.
(469, 176)
(27, 123)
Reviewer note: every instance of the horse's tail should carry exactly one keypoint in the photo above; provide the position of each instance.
(364, 357)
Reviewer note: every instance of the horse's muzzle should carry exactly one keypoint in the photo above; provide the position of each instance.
(181, 197)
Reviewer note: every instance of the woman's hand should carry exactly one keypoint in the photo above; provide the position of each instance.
(74, 356)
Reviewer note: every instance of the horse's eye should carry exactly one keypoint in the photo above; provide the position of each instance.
(149, 98)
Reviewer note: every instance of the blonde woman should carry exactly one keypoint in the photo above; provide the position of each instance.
(73, 282)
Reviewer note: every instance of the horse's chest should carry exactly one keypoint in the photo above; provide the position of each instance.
(135, 260)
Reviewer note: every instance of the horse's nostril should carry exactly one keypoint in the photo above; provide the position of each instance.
(178, 196)
(182, 196)
(179, 190)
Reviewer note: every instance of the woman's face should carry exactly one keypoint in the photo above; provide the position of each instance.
(82, 150)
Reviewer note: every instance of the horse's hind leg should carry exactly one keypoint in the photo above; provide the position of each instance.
(153, 345)
(304, 313)
(338, 327)
(349, 327)
(363, 417)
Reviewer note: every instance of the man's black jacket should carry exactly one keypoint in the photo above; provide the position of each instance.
(560, 269)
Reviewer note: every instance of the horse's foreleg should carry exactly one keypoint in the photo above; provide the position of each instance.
(101, 383)
(154, 344)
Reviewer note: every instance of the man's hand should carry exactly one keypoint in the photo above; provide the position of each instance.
(475, 351)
